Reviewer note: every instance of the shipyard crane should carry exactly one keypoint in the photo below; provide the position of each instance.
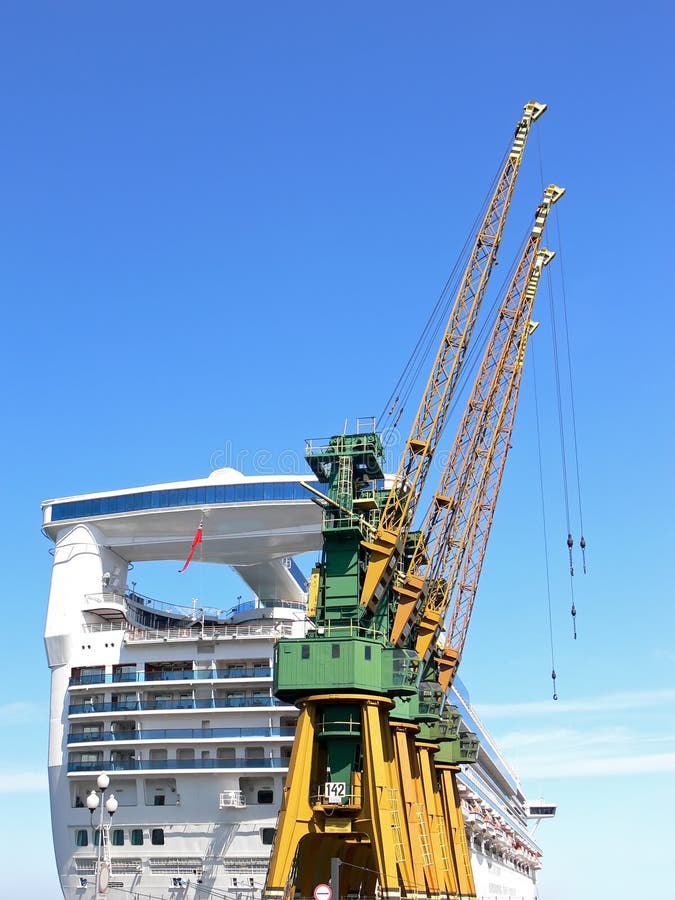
(454, 537)
(431, 574)
(386, 547)
(348, 794)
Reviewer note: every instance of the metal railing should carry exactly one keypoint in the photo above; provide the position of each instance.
(208, 632)
(318, 797)
(211, 614)
(143, 765)
(171, 675)
(207, 703)
(158, 734)
(231, 800)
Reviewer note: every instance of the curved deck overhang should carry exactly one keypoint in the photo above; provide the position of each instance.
(248, 520)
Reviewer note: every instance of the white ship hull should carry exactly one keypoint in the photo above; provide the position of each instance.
(178, 709)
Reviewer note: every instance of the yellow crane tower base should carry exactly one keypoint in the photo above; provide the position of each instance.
(367, 829)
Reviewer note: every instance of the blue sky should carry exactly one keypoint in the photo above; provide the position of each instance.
(223, 225)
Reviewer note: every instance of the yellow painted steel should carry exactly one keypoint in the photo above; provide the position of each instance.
(452, 807)
(439, 823)
(313, 593)
(401, 834)
(448, 532)
(386, 547)
(372, 827)
(296, 814)
(413, 798)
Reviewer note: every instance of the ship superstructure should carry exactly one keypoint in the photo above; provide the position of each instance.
(175, 702)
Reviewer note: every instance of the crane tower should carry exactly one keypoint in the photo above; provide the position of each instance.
(371, 789)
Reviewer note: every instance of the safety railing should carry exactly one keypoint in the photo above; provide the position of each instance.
(231, 800)
(88, 678)
(188, 734)
(145, 705)
(143, 765)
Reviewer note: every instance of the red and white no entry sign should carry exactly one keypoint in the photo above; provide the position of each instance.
(323, 892)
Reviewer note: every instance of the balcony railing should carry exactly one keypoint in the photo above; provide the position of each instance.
(171, 675)
(231, 800)
(144, 705)
(159, 734)
(208, 632)
(142, 765)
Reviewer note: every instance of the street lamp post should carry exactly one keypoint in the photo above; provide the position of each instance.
(95, 802)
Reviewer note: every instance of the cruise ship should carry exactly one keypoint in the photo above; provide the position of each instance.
(168, 751)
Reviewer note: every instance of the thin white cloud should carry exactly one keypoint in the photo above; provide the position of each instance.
(588, 767)
(23, 782)
(22, 713)
(564, 737)
(592, 705)
(589, 751)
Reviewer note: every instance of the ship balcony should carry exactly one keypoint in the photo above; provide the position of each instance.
(182, 734)
(90, 677)
(197, 632)
(150, 765)
(181, 705)
(108, 605)
(474, 818)
(232, 800)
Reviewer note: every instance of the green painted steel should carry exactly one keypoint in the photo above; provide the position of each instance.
(332, 663)
(461, 750)
(348, 650)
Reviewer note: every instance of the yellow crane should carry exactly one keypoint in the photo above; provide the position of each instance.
(363, 784)
(386, 547)
(432, 572)
(454, 540)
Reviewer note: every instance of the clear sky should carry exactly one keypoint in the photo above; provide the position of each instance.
(222, 226)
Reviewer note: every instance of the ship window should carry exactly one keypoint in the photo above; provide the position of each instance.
(225, 753)
(267, 835)
(157, 836)
(95, 728)
(124, 673)
(367, 652)
(91, 759)
(159, 800)
(89, 675)
(335, 651)
(82, 838)
(305, 651)
(118, 837)
(137, 837)
(266, 796)
(97, 837)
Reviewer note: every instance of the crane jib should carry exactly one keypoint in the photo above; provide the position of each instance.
(377, 747)
(455, 533)
(385, 549)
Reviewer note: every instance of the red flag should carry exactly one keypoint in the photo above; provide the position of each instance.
(195, 542)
